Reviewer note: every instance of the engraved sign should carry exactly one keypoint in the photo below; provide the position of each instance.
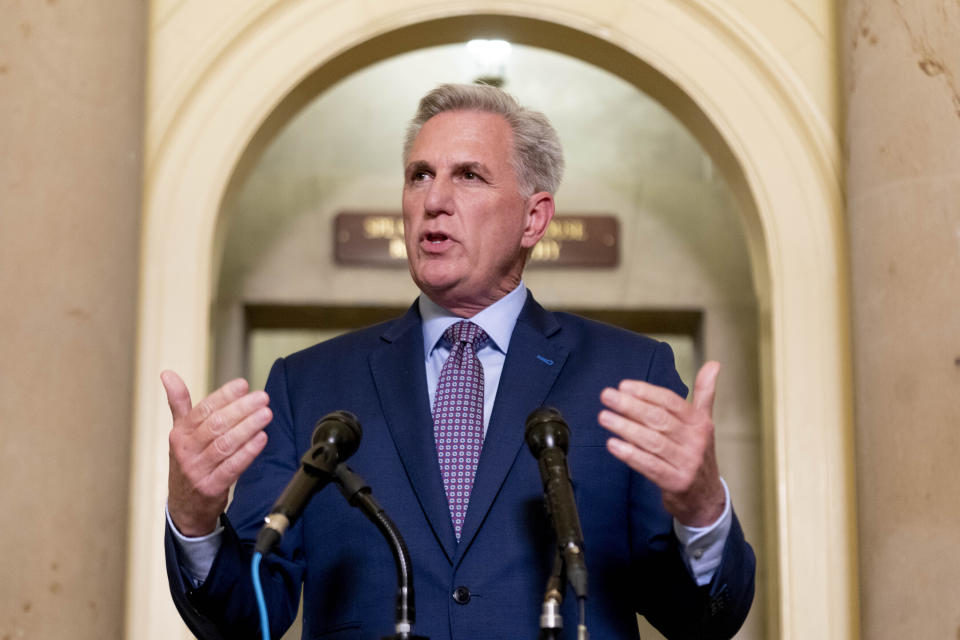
(376, 239)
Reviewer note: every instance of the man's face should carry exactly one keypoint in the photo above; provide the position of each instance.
(466, 225)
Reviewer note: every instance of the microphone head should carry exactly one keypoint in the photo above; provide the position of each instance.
(546, 428)
(341, 430)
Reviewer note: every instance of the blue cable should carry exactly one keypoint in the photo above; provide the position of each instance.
(258, 590)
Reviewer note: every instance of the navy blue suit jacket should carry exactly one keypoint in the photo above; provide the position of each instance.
(506, 550)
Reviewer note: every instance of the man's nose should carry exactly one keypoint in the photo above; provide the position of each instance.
(439, 198)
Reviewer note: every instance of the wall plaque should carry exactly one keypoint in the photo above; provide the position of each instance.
(376, 239)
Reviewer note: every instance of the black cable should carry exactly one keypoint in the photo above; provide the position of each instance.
(359, 495)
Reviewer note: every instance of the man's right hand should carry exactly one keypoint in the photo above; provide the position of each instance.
(211, 444)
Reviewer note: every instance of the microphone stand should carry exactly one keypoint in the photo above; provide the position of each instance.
(359, 495)
(551, 622)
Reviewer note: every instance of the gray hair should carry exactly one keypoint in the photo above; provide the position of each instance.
(537, 155)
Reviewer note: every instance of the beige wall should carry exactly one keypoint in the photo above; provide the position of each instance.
(902, 63)
(71, 77)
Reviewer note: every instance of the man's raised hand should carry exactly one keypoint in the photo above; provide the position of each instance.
(670, 441)
(211, 444)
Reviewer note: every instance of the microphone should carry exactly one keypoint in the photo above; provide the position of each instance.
(548, 437)
(335, 438)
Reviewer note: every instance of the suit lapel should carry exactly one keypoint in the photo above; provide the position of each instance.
(532, 365)
(398, 371)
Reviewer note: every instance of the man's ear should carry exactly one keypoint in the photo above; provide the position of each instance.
(540, 209)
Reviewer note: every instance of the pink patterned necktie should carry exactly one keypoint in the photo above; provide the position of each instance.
(458, 416)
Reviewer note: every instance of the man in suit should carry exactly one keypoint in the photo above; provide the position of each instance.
(660, 535)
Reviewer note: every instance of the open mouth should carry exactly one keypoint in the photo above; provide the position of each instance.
(435, 237)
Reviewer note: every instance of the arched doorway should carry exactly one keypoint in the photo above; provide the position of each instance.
(682, 269)
(742, 108)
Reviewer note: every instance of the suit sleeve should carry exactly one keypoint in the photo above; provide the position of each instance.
(666, 593)
(224, 606)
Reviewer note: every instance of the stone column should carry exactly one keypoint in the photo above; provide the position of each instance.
(902, 75)
(71, 103)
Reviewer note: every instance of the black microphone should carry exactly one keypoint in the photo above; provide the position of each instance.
(548, 437)
(335, 438)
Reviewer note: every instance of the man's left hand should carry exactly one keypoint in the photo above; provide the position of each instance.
(671, 442)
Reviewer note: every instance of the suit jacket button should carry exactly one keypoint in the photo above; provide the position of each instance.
(719, 601)
(461, 595)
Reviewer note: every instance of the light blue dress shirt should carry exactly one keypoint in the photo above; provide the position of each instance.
(497, 320)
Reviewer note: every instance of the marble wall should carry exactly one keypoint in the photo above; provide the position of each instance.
(71, 104)
(902, 68)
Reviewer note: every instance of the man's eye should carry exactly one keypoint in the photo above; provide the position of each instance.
(417, 176)
(470, 175)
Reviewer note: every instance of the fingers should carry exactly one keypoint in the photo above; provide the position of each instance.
(187, 416)
(227, 472)
(229, 430)
(213, 420)
(663, 418)
(225, 419)
(656, 469)
(218, 399)
(646, 451)
(655, 396)
(224, 432)
(705, 387)
(178, 396)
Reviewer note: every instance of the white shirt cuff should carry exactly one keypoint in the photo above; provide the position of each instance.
(197, 554)
(703, 546)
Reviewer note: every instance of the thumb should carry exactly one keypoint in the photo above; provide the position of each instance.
(705, 387)
(178, 396)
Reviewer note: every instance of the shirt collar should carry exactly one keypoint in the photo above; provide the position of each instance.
(497, 320)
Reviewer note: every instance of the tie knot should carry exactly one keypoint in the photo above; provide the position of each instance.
(465, 331)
